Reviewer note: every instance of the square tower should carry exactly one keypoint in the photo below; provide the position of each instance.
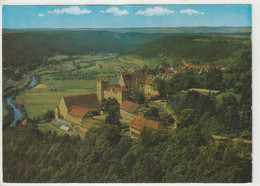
(101, 86)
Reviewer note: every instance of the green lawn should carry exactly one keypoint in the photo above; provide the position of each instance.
(226, 94)
(8, 83)
(39, 100)
(58, 57)
(162, 112)
(202, 91)
(52, 126)
(131, 59)
(90, 85)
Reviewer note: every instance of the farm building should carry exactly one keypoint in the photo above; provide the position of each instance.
(129, 109)
(139, 123)
(121, 90)
(76, 108)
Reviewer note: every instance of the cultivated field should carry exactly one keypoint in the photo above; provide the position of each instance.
(47, 95)
(41, 98)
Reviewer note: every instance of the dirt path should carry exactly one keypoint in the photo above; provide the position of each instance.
(217, 137)
(164, 104)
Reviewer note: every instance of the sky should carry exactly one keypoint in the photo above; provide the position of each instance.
(126, 16)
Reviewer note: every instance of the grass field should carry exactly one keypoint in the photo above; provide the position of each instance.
(48, 94)
(226, 94)
(8, 83)
(39, 100)
(203, 91)
(52, 126)
(162, 111)
(42, 97)
(74, 129)
(58, 57)
(131, 59)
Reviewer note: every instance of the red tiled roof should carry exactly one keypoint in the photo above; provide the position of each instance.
(129, 106)
(79, 112)
(84, 100)
(139, 123)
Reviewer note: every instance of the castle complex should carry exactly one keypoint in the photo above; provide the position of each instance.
(121, 90)
(77, 108)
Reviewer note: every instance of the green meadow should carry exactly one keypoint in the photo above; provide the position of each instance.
(226, 94)
(42, 97)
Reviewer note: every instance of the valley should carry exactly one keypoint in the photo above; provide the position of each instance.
(114, 103)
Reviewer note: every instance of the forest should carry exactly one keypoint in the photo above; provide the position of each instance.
(187, 154)
(198, 49)
(104, 155)
(28, 49)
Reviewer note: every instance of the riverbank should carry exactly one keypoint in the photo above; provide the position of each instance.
(16, 112)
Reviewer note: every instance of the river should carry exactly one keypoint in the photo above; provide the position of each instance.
(17, 112)
(33, 82)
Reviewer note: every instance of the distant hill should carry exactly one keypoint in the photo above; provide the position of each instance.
(21, 46)
(166, 30)
(198, 48)
(31, 46)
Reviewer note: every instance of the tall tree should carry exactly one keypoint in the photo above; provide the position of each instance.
(160, 86)
(214, 79)
(111, 106)
(137, 95)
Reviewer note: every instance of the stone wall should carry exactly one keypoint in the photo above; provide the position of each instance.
(63, 108)
(111, 94)
(101, 85)
(73, 119)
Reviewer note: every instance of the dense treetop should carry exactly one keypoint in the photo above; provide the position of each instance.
(195, 48)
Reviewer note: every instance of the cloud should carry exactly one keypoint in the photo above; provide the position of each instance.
(114, 10)
(40, 15)
(73, 10)
(156, 11)
(191, 12)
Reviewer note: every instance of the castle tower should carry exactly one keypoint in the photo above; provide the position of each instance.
(101, 85)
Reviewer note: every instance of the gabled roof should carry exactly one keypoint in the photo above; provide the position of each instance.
(84, 100)
(129, 106)
(116, 88)
(140, 122)
(132, 79)
(80, 112)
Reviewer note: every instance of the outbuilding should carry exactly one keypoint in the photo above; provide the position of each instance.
(128, 109)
